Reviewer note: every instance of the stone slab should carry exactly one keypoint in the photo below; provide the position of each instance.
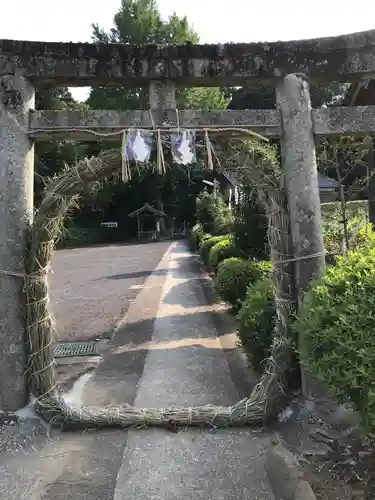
(286, 479)
(345, 57)
(86, 125)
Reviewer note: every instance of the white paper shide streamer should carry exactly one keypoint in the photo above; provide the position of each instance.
(183, 147)
(139, 145)
(136, 146)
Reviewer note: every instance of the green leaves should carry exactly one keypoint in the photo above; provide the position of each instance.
(196, 234)
(336, 325)
(359, 231)
(213, 214)
(256, 322)
(234, 275)
(250, 226)
(220, 251)
(202, 98)
(139, 22)
(206, 246)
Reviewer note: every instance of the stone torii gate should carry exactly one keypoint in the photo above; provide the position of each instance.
(25, 66)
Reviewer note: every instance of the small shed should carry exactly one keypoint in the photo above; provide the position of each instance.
(149, 222)
(328, 188)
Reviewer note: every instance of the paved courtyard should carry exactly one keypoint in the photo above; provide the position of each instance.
(91, 291)
(92, 288)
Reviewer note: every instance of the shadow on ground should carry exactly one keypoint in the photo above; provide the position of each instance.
(117, 377)
(135, 274)
(196, 278)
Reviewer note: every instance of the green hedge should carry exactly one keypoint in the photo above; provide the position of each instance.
(250, 226)
(78, 237)
(205, 237)
(75, 236)
(206, 245)
(256, 322)
(213, 213)
(220, 251)
(234, 275)
(336, 331)
(195, 236)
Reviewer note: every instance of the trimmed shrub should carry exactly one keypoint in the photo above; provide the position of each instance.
(336, 324)
(364, 236)
(250, 227)
(204, 238)
(195, 237)
(235, 274)
(213, 214)
(220, 251)
(74, 236)
(256, 321)
(206, 246)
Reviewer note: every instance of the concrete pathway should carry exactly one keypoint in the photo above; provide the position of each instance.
(187, 366)
(168, 350)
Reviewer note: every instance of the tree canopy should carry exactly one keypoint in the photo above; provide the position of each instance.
(52, 156)
(260, 97)
(140, 22)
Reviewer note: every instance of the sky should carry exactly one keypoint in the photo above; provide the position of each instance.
(215, 22)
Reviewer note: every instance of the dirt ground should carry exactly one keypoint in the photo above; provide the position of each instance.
(337, 462)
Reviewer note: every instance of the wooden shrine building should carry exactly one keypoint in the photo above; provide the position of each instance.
(150, 222)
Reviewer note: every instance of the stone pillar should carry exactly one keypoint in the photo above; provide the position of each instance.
(17, 97)
(371, 184)
(301, 182)
(162, 96)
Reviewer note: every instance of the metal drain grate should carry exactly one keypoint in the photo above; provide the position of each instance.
(70, 349)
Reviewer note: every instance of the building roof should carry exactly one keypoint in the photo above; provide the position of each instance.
(147, 208)
(324, 181)
(231, 179)
(360, 93)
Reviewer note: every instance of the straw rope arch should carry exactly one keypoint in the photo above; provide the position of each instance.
(253, 161)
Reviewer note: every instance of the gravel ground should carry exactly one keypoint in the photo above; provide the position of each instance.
(92, 288)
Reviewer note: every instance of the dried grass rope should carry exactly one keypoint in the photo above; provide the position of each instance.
(62, 194)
